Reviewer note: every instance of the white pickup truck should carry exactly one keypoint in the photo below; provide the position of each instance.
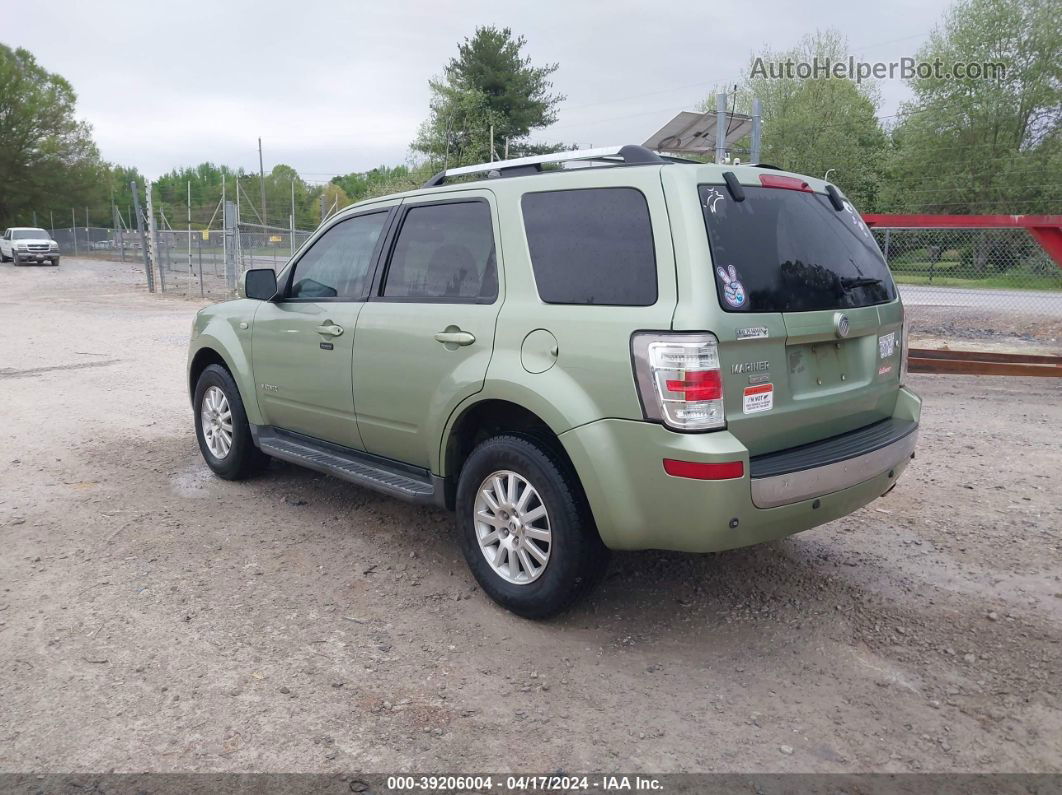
(28, 244)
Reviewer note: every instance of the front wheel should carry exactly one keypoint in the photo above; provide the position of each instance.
(525, 528)
(221, 426)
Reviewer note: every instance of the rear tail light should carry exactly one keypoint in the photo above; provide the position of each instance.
(679, 379)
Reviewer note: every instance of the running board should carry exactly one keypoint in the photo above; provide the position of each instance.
(373, 472)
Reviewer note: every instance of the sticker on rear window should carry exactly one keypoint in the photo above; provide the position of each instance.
(712, 198)
(887, 345)
(758, 398)
(733, 289)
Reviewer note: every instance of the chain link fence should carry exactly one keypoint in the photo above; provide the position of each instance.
(190, 264)
(998, 281)
(986, 282)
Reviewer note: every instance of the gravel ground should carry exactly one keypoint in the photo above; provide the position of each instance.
(155, 618)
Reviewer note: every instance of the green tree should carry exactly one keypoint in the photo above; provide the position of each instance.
(985, 145)
(490, 83)
(45, 152)
(817, 124)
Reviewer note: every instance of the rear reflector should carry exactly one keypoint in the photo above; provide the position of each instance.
(702, 471)
(786, 183)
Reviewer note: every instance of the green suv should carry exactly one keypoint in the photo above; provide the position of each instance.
(622, 351)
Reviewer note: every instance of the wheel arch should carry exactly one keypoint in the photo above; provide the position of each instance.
(211, 351)
(487, 417)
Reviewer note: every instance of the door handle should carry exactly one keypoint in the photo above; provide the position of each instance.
(330, 329)
(455, 338)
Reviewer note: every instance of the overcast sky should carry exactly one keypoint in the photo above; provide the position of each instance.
(341, 86)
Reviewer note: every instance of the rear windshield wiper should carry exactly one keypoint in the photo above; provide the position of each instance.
(862, 281)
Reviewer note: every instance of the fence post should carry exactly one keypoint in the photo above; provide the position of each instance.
(190, 272)
(143, 238)
(230, 251)
(756, 131)
(153, 238)
(73, 229)
(720, 127)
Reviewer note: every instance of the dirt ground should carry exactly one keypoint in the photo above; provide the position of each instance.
(155, 618)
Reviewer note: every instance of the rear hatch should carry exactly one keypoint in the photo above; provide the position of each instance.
(810, 344)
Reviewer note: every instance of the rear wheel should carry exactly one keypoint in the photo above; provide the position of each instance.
(525, 529)
(221, 426)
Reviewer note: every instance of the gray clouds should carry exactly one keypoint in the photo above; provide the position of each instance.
(336, 87)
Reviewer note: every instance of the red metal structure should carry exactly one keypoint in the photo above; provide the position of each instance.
(1045, 229)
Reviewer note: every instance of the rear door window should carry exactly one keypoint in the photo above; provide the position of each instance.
(591, 246)
(791, 251)
(444, 252)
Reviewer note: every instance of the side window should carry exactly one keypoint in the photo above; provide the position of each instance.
(591, 246)
(337, 266)
(444, 251)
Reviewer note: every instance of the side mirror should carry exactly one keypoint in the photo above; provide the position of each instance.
(258, 283)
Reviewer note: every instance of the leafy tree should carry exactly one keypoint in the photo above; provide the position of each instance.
(985, 145)
(45, 152)
(365, 184)
(490, 83)
(816, 124)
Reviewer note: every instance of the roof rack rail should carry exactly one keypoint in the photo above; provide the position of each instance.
(630, 154)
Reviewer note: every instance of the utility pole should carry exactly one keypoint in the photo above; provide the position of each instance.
(291, 219)
(261, 182)
(73, 229)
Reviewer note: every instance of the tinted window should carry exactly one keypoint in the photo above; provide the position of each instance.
(591, 246)
(337, 266)
(30, 234)
(444, 251)
(790, 251)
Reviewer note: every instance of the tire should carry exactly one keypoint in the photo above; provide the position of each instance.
(5, 258)
(241, 458)
(575, 558)
(55, 262)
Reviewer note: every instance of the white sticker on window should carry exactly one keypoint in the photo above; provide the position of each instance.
(887, 345)
(758, 398)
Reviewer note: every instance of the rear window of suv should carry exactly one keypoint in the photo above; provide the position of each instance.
(791, 251)
(591, 246)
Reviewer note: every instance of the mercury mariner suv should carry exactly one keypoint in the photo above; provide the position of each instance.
(596, 350)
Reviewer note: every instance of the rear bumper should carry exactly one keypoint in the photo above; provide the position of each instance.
(637, 505)
(832, 465)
